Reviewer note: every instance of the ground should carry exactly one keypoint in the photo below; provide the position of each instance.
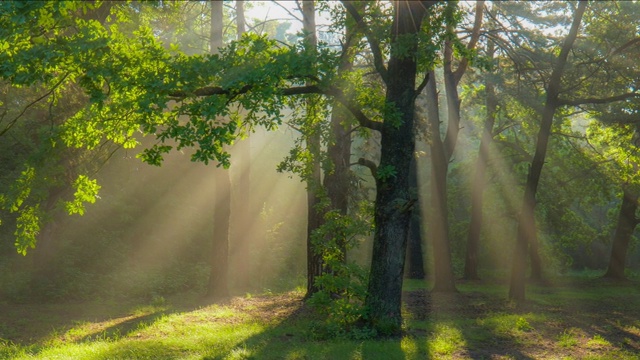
(572, 319)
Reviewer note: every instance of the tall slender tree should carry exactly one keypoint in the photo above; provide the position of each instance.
(442, 150)
(479, 179)
(526, 221)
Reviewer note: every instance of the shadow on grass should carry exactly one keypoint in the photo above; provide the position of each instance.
(452, 325)
(474, 324)
(290, 337)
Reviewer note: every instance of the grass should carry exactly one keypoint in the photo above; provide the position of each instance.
(585, 319)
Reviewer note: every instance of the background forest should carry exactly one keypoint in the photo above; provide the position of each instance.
(234, 147)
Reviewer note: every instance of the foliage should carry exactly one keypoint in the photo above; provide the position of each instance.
(343, 286)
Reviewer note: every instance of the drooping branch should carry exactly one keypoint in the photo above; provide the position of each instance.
(371, 39)
(576, 102)
(334, 92)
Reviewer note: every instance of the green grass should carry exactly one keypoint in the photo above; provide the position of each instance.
(566, 320)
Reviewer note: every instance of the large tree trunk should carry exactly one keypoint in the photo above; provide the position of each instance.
(315, 217)
(526, 221)
(627, 222)
(479, 180)
(415, 257)
(394, 199)
(218, 287)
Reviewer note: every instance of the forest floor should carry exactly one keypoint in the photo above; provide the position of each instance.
(565, 319)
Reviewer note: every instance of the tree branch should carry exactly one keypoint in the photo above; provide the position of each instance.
(11, 123)
(371, 165)
(336, 93)
(475, 36)
(576, 102)
(373, 42)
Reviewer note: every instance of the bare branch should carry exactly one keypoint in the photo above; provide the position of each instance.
(287, 10)
(15, 120)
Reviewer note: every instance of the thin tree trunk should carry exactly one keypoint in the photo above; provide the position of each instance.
(479, 180)
(627, 222)
(442, 152)
(439, 226)
(240, 20)
(218, 286)
(526, 222)
(314, 183)
(394, 199)
(336, 180)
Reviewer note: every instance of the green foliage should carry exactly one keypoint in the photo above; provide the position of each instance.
(86, 192)
(343, 286)
(386, 172)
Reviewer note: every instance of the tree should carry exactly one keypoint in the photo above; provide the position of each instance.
(526, 223)
(393, 195)
(479, 180)
(442, 149)
(257, 73)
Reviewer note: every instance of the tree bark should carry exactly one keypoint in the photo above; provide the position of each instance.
(526, 221)
(415, 257)
(627, 222)
(479, 180)
(218, 287)
(393, 198)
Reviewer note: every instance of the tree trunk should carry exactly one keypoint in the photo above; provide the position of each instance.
(218, 287)
(336, 180)
(439, 225)
(415, 257)
(315, 217)
(479, 180)
(526, 221)
(534, 258)
(394, 199)
(240, 20)
(627, 222)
